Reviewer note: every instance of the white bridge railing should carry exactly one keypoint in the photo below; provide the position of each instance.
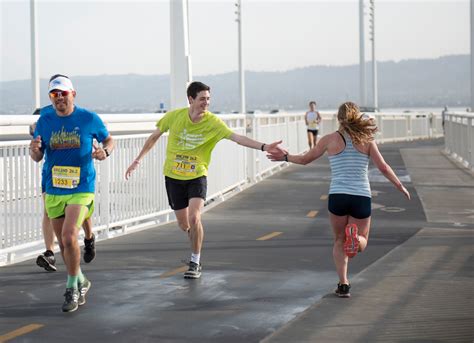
(125, 206)
(459, 141)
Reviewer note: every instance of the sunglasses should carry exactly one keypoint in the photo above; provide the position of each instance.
(56, 94)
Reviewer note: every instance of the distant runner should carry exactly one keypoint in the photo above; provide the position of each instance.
(312, 119)
(349, 150)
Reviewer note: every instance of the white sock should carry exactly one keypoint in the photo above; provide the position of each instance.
(195, 258)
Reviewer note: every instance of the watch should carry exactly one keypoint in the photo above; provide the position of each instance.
(106, 152)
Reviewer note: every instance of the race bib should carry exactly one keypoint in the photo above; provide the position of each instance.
(66, 177)
(185, 165)
(313, 125)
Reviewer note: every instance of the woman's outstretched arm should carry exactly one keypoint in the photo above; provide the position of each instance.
(385, 168)
(316, 152)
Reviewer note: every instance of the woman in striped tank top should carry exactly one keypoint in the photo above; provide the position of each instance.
(349, 150)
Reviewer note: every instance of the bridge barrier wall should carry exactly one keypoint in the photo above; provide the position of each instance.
(127, 206)
(459, 138)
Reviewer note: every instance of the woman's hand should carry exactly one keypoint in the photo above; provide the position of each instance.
(402, 189)
(277, 155)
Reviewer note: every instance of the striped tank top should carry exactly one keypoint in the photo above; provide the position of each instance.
(349, 171)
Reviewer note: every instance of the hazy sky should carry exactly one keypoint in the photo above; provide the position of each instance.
(121, 37)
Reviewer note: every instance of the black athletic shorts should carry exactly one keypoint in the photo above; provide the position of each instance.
(356, 206)
(314, 132)
(180, 191)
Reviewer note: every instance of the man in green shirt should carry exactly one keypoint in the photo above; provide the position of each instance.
(193, 134)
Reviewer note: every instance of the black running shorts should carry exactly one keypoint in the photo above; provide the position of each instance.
(180, 191)
(356, 206)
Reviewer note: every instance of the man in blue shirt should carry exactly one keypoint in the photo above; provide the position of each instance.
(66, 137)
(47, 259)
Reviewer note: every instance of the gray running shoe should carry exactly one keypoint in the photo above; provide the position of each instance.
(83, 289)
(71, 298)
(89, 249)
(47, 261)
(194, 271)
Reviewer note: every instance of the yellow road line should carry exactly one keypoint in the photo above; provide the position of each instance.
(312, 214)
(174, 272)
(271, 235)
(324, 197)
(21, 331)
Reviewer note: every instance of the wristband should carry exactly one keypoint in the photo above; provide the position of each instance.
(107, 154)
(262, 147)
(286, 158)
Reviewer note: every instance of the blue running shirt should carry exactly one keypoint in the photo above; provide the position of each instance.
(67, 144)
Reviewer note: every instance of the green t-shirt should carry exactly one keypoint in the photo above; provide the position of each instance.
(190, 145)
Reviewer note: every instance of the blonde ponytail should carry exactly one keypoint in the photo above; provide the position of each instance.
(360, 129)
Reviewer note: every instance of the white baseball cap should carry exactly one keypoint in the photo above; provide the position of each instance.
(61, 83)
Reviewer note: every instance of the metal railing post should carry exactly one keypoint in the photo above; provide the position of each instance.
(469, 146)
(104, 189)
(252, 153)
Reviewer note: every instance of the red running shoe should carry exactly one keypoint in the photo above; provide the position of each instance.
(351, 244)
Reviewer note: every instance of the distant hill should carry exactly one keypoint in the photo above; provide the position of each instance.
(408, 83)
